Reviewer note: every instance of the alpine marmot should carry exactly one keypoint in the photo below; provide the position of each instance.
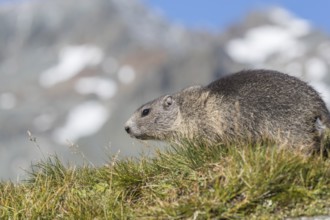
(251, 105)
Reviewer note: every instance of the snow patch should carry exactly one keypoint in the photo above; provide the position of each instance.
(103, 88)
(84, 120)
(297, 26)
(7, 100)
(72, 60)
(261, 42)
(126, 74)
(316, 69)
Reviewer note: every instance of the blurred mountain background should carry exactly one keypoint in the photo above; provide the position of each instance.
(72, 72)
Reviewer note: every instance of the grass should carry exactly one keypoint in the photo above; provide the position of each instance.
(190, 181)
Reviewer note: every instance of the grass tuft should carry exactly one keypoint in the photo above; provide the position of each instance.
(188, 180)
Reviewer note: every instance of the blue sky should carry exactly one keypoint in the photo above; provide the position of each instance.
(218, 14)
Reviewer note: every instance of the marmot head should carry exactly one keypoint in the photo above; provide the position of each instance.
(155, 120)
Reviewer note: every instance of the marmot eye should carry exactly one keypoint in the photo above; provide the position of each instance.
(145, 112)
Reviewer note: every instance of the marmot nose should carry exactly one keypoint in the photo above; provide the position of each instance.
(127, 129)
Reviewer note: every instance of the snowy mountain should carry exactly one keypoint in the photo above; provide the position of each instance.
(285, 43)
(73, 71)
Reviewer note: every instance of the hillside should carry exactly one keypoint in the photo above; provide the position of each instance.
(110, 56)
(183, 182)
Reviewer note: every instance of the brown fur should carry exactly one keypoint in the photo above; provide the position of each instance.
(248, 106)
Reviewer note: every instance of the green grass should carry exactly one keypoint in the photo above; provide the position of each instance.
(183, 182)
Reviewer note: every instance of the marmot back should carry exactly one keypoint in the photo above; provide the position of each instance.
(249, 105)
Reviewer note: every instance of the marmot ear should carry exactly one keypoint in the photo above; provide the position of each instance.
(167, 101)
